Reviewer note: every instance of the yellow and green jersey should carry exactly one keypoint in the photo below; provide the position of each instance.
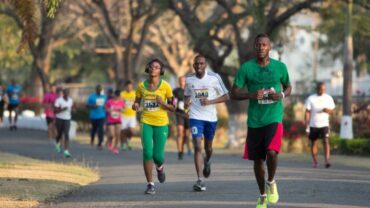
(153, 113)
(129, 99)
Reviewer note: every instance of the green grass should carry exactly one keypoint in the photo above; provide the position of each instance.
(24, 182)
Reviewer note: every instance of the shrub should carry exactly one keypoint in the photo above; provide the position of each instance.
(31, 103)
(351, 147)
(80, 114)
(294, 129)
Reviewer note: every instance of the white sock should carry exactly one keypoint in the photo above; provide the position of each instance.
(151, 183)
(263, 195)
(160, 168)
(270, 182)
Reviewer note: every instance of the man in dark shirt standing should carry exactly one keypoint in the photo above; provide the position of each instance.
(182, 119)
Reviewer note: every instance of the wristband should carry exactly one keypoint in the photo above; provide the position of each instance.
(283, 94)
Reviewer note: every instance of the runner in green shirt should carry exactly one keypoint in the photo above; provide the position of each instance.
(267, 81)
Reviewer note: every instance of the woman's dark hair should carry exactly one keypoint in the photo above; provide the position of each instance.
(151, 62)
(117, 93)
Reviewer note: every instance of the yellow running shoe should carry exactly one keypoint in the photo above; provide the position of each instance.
(272, 193)
(261, 202)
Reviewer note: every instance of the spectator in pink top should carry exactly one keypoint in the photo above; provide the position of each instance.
(114, 109)
(48, 103)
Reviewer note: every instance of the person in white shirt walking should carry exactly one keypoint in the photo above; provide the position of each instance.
(318, 108)
(203, 90)
(63, 109)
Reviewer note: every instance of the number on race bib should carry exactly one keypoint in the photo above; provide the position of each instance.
(151, 105)
(99, 102)
(266, 99)
(115, 114)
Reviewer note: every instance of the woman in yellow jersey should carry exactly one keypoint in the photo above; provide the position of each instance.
(156, 96)
(128, 115)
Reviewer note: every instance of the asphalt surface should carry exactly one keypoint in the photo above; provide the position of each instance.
(231, 184)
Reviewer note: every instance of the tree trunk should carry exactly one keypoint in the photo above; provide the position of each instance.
(35, 84)
(119, 68)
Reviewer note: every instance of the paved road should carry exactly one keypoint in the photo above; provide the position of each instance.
(231, 184)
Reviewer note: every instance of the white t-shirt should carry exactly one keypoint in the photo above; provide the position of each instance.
(315, 104)
(61, 103)
(211, 87)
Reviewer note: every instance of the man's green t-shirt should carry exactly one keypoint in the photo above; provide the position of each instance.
(269, 78)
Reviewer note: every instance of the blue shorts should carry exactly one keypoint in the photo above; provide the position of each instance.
(201, 128)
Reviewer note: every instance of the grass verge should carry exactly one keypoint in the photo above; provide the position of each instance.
(25, 182)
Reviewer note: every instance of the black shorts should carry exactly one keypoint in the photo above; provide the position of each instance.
(263, 139)
(1, 109)
(12, 107)
(318, 133)
(49, 120)
(182, 119)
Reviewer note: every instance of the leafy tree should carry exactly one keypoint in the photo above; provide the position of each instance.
(333, 23)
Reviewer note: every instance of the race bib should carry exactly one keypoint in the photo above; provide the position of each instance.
(99, 101)
(151, 105)
(201, 93)
(14, 96)
(114, 114)
(266, 99)
(129, 103)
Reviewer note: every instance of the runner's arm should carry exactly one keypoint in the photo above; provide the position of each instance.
(239, 94)
(287, 89)
(169, 105)
(220, 99)
(187, 102)
(136, 104)
(307, 116)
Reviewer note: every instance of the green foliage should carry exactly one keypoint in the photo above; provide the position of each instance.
(51, 7)
(333, 23)
(223, 122)
(352, 147)
(35, 107)
(12, 65)
(72, 64)
(81, 115)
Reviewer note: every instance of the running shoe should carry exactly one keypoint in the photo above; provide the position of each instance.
(66, 153)
(206, 168)
(272, 193)
(199, 186)
(315, 165)
(150, 189)
(161, 174)
(115, 151)
(122, 147)
(129, 146)
(189, 153)
(327, 165)
(261, 202)
(57, 148)
(180, 155)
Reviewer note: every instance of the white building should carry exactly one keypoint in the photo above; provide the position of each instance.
(301, 54)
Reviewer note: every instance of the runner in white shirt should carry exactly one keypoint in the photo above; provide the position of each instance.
(203, 90)
(63, 109)
(318, 107)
